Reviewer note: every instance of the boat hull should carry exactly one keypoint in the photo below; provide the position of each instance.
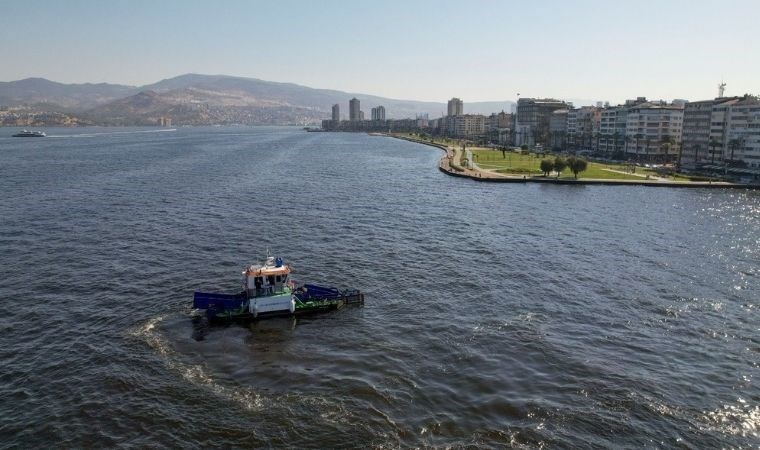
(308, 299)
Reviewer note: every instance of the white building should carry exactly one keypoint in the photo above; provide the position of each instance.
(466, 125)
(612, 126)
(378, 113)
(742, 144)
(455, 107)
(583, 127)
(558, 129)
(354, 110)
(653, 131)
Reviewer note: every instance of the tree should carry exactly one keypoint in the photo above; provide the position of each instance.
(576, 165)
(714, 143)
(547, 166)
(666, 143)
(628, 140)
(559, 165)
(646, 148)
(696, 148)
(638, 138)
(734, 144)
(616, 139)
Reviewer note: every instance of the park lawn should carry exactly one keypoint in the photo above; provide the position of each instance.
(596, 170)
(520, 164)
(493, 159)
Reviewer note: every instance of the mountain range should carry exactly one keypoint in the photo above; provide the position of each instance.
(194, 99)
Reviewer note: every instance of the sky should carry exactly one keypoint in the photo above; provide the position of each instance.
(422, 50)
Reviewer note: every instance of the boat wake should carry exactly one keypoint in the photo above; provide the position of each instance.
(741, 419)
(194, 373)
(109, 133)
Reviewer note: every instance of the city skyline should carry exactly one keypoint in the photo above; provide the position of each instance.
(480, 51)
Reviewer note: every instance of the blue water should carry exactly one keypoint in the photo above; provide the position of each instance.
(496, 315)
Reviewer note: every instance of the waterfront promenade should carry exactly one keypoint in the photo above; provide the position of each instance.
(449, 164)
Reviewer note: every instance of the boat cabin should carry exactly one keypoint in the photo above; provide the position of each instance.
(271, 278)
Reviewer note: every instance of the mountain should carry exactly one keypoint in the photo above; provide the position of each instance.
(194, 106)
(32, 91)
(194, 99)
(289, 94)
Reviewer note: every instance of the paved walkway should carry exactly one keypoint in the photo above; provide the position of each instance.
(449, 164)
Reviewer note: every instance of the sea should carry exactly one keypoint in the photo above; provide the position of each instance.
(495, 315)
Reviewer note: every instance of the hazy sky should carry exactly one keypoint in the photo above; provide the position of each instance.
(423, 50)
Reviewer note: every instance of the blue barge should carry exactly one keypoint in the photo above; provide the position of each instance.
(268, 291)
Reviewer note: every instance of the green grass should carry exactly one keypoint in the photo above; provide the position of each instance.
(520, 164)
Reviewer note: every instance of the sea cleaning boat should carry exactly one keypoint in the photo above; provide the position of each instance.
(26, 133)
(268, 291)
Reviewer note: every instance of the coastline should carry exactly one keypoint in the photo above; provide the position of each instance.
(452, 154)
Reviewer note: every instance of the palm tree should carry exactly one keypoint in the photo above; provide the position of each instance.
(666, 143)
(615, 139)
(713, 144)
(646, 148)
(638, 138)
(696, 148)
(733, 144)
(628, 139)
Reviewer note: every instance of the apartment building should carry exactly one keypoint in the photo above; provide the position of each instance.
(466, 125)
(533, 116)
(583, 127)
(742, 142)
(455, 107)
(498, 127)
(653, 131)
(378, 113)
(558, 129)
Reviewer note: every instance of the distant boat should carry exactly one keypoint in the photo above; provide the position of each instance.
(26, 133)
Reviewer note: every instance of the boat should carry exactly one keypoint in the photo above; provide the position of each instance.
(268, 291)
(26, 133)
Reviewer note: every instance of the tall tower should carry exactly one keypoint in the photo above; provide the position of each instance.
(336, 112)
(455, 107)
(354, 112)
(378, 113)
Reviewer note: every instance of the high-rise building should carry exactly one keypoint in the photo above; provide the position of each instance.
(378, 113)
(456, 107)
(354, 111)
(336, 112)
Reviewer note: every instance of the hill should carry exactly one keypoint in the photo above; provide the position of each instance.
(194, 99)
(74, 97)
